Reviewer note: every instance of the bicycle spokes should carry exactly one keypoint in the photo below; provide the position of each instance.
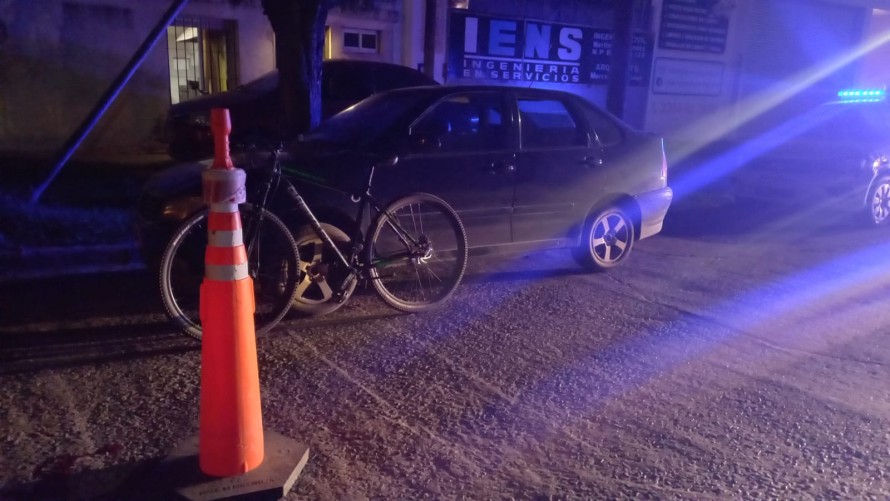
(417, 254)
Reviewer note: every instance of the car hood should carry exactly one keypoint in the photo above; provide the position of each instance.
(315, 162)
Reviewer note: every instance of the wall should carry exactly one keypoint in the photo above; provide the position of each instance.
(875, 71)
(385, 20)
(782, 59)
(694, 72)
(57, 61)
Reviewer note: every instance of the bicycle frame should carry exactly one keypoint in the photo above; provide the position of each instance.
(366, 202)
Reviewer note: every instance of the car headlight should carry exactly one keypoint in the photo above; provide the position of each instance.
(877, 162)
(201, 118)
(181, 208)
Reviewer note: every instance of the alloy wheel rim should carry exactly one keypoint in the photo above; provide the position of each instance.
(881, 203)
(609, 238)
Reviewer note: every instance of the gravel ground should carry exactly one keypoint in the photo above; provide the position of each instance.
(741, 357)
(696, 372)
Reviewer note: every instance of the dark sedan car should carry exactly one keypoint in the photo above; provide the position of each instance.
(254, 105)
(524, 168)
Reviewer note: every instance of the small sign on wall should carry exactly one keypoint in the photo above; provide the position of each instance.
(687, 77)
(695, 25)
(640, 58)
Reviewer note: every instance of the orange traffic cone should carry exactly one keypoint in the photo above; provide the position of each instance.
(231, 426)
(231, 456)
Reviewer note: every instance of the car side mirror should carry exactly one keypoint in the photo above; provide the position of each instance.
(390, 161)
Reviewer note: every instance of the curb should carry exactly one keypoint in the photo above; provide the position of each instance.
(43, 262)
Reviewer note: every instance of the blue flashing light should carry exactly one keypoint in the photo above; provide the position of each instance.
(862, 95)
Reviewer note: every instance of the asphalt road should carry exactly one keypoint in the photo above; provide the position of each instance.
(741, 354)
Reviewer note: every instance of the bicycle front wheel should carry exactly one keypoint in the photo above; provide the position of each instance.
(416, 252)
(272, 264)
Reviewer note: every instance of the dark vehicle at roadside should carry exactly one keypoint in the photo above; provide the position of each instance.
(877, 197)
(847, 142)
(254, 107)
(525, 169)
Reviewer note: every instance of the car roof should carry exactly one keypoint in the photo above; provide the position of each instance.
(380, 66)
(435, 92)
(452, 89)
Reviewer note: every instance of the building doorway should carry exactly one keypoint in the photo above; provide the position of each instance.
(202, 56)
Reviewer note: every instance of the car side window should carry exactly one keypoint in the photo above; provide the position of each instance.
(464, 122)
(607, 132)
(547, 123)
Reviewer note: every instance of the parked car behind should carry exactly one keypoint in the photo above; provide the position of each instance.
(254, 107)
(524, 168)
(843, 144)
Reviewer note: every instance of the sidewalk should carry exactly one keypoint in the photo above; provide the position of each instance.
(83, 221)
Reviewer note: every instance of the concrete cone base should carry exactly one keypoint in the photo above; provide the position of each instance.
(284, 460)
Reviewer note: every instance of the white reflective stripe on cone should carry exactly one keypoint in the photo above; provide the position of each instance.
(224, 238)
(225, 273)
(224, 207)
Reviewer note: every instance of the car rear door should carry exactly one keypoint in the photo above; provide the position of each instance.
(462, 149)
(557, 166)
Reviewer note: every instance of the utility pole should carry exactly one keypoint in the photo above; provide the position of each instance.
(619, 63)
(429, 38)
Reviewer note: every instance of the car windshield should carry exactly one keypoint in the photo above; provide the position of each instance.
(365, 122)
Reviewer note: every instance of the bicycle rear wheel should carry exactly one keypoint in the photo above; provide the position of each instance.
(417, 252)
(272, 264)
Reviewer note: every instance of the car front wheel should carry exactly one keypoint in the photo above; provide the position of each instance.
(607, 240)
(879, 201)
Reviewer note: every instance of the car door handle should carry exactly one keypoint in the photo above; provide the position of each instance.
(501, 167)
(592, 161)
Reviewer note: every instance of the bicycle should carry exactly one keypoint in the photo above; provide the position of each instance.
(414, 254)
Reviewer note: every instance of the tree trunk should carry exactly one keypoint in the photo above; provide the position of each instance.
(299, 43)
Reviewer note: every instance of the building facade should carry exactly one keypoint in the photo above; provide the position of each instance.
(700, 70)
(58, 57)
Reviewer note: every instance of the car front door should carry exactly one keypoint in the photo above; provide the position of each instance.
(462, 150)
(556, 170)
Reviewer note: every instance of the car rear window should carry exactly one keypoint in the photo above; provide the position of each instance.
(396, 77)
(607, 132)
(547, 123)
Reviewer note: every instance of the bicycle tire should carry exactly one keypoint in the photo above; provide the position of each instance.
(182, 269)
(427, 277)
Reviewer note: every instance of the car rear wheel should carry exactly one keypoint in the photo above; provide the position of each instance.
(606, 241)
(879, 201)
